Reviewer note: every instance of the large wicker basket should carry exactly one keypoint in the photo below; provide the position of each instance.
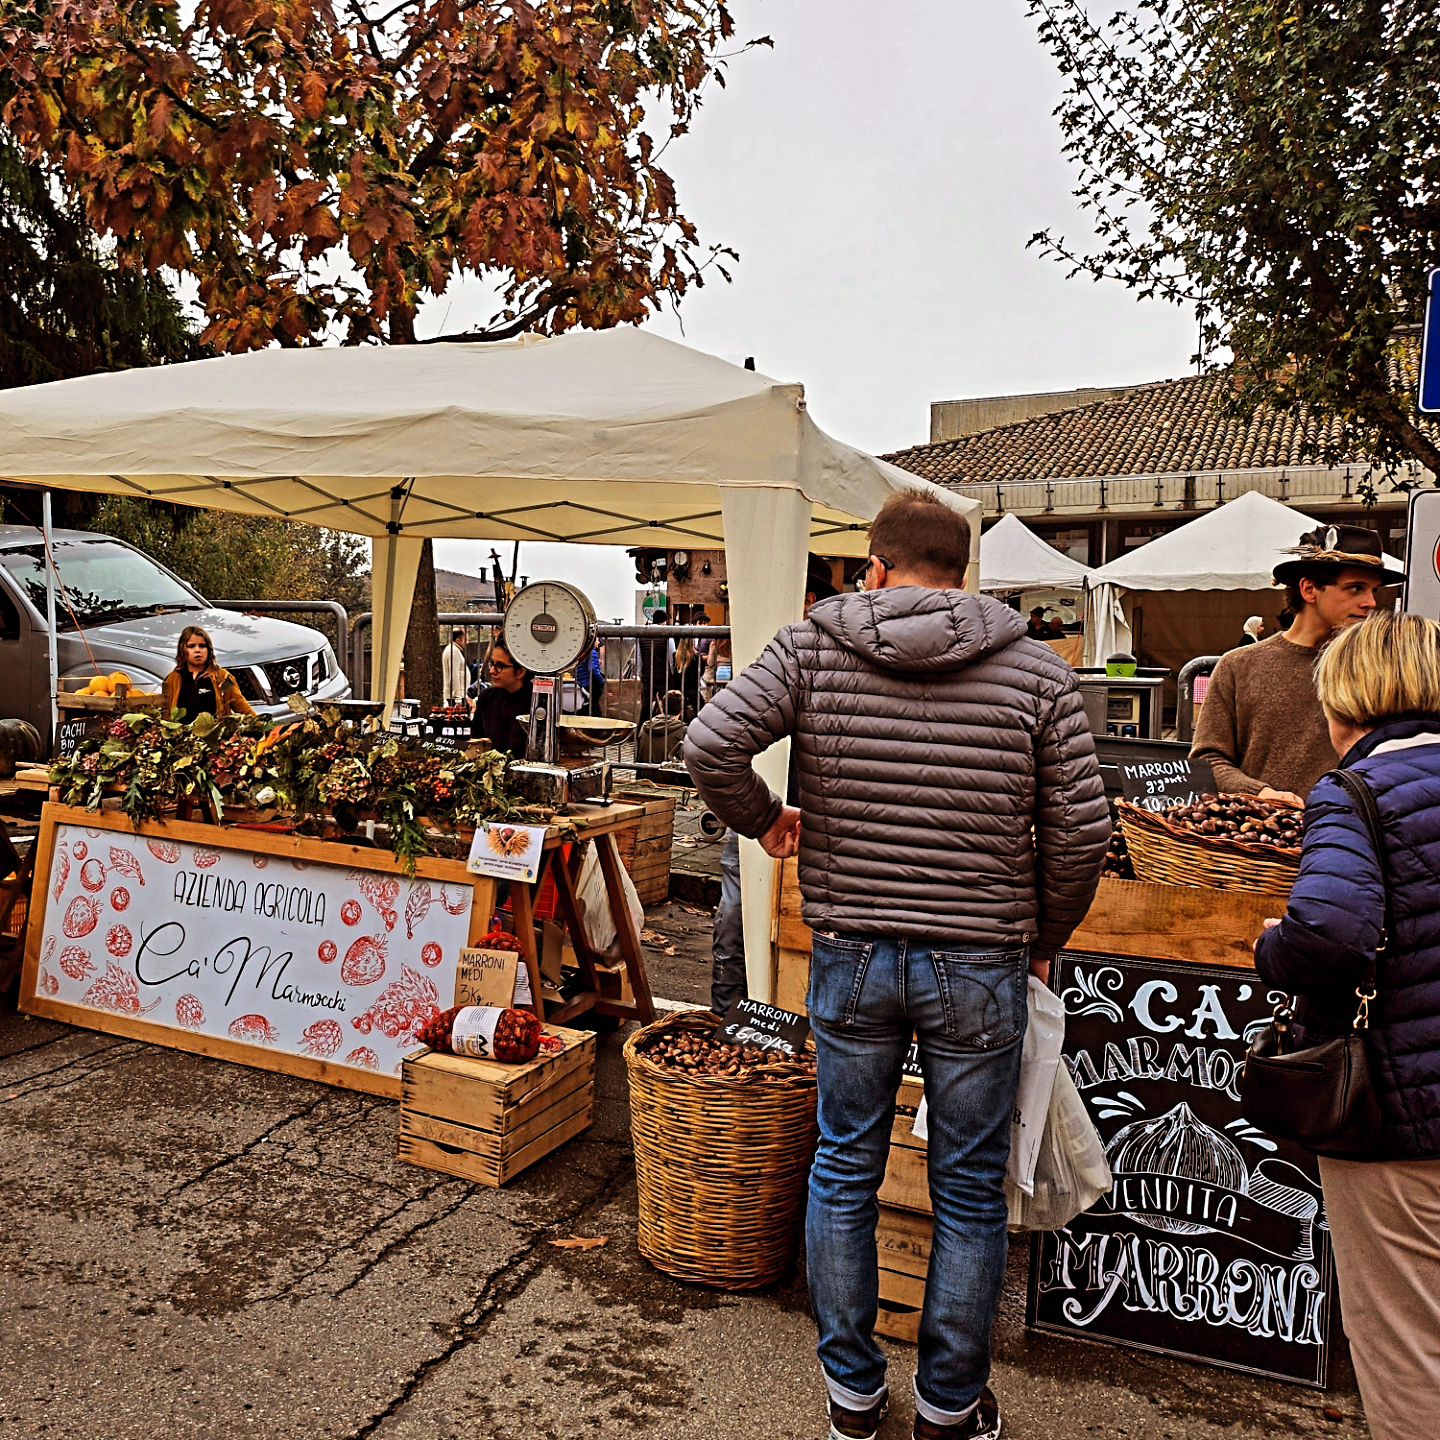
(1166, 854)
(721, 1165)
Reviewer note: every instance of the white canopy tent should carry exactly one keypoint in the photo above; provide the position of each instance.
(614, 437)
(1013, 557)
(1234, 547)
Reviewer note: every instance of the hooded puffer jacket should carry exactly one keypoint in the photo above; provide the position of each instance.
(1321, 949)
(947, 779)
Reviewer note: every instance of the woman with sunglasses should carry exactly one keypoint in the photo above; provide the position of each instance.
(502, 706)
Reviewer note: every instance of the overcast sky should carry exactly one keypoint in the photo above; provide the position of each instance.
(880, 171)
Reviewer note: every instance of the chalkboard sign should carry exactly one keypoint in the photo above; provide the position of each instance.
(1160, 784)
(753, 1022)
(1212, 1243)
(71, 730)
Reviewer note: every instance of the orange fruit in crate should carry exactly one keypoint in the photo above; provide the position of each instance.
(119, 678)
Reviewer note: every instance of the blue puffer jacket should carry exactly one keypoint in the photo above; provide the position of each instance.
(1321, 949)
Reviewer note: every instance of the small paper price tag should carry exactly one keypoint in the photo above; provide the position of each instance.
(752, 1022)
(491, 977)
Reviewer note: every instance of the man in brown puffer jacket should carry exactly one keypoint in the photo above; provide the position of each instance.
(951, 829)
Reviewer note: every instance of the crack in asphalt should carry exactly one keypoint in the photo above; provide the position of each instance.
(288, 1290)
(500, 1285)
(38, 1045)
(391, 1246)
(107, 1056)
(219, 1164)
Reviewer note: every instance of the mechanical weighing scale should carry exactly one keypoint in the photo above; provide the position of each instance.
(549, 628)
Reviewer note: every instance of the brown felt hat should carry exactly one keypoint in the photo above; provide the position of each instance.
(1330, 548)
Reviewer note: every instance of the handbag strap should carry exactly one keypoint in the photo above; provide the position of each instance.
(1364, 799)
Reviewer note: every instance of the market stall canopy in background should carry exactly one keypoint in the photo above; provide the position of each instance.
(611, 437)
(1013, 557)
(1232, 548)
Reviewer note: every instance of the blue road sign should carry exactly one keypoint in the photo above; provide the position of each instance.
(1430, 351)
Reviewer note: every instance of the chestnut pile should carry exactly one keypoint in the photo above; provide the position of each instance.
(1118, 864)
(701, 1055)
(1244, 818)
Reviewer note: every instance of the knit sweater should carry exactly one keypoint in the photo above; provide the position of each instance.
(1261, 723)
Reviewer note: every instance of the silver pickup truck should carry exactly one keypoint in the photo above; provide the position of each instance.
(119, 610)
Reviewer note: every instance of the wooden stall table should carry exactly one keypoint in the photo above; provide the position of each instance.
(1211, 1244)
(595, 826)
(305, 956)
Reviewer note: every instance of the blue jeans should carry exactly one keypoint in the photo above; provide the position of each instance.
(967, 1009)
(727, 955)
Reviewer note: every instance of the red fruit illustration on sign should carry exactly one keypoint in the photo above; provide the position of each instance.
(81, 849)
(123, 862)
(92, 876)
(364, 1057)
(163, 851)
(381, 891)
(322, 1039)
(119, 942)
(76, 963)
(49, 983)
(260, 861)
(82, 915)
(119, 898)
(417, 907)
(350, 912)
(389, 917)
(62, 870)
(204, 857)
(253, 1029)
(402, 1008)
(189, 1012)
(455, 906)
(118, 991)
(431, 954)
(364, 961)
(328, 952)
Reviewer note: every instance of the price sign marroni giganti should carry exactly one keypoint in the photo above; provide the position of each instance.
(301, 958)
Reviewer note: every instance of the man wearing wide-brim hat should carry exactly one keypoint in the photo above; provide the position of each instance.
(1261, 728)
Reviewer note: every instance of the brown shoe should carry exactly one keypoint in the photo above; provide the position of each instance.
(982, 1423)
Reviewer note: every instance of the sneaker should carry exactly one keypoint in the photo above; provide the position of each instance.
(982, 1423)
(857, 1424)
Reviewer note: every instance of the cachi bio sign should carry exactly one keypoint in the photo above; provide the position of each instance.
(1212, 1242)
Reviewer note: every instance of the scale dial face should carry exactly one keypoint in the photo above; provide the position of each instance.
(549, 627)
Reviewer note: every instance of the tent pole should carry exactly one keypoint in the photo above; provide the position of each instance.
(47, 526)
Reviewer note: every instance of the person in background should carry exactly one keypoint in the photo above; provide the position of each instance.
(718, 666)
(1252, 630)
(950, 830)
(1037, 629)
(198, 685)
(502, 706)
(1379, 686)
(653, 655)
(590, 673)
(1261, 729)
(659, 739)
(685, 664)
(454, 671)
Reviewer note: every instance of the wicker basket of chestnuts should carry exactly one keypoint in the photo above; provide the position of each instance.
(1222, 842)
(724, 1135)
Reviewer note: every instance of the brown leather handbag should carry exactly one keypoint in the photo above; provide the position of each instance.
(1321, 1097)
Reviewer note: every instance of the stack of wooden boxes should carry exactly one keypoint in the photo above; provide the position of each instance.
(903, 1236)
(645, 850)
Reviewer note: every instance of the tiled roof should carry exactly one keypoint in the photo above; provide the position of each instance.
(1173, 427)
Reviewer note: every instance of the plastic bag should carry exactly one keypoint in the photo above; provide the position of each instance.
(1039, 1062)
(595, 906)
(1071, 1172)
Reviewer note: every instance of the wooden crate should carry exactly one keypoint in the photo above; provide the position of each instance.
(906, 1185)
(793, 940)
(82, 715)
(903, 1242)
(645, 851)
(485, 1121)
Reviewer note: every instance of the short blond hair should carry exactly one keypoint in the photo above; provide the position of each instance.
(1386, 666)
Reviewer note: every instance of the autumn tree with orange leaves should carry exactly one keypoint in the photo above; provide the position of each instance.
(322, 169)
